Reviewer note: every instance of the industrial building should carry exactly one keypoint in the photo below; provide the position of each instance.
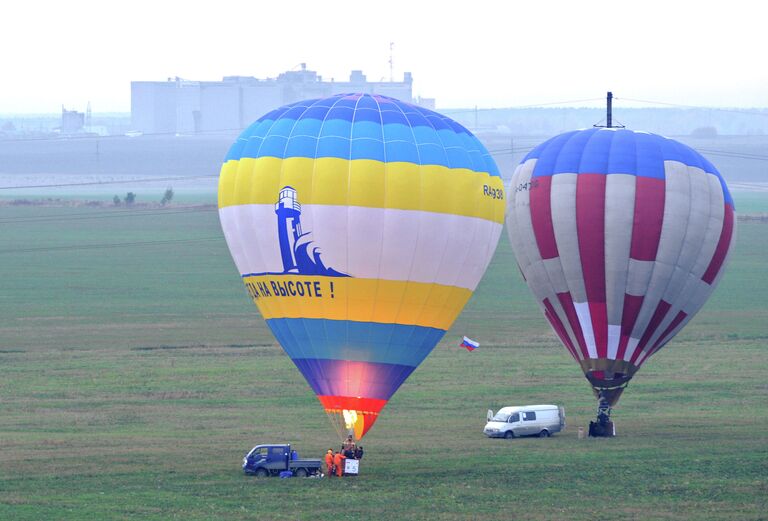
(182, 106)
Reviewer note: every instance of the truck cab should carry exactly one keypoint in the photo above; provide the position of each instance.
(526, 420)
(272, 459)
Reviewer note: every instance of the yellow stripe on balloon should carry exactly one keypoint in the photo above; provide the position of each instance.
(361, 300)
(363, 182)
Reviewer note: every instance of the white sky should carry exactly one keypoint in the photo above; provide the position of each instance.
(484, 53)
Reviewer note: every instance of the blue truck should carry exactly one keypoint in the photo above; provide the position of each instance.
(272, 459)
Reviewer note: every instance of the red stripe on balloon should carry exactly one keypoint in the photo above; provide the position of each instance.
(352, 403)
(671, 327)
(598, 312)
(541, 216)
(632, 305)
(573, 319)
(559, 328)
(658, 316)
(590, 227)
(648, 218)
(722, 246)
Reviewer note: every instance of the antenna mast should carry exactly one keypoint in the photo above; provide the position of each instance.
(609, 113)
(391, 77)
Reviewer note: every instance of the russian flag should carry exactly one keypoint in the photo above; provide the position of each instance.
(470, 344)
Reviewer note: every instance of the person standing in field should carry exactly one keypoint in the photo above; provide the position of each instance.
(338, 462)
(329, 462)
(348, 447)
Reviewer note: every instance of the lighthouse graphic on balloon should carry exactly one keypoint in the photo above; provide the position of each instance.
(295, 244)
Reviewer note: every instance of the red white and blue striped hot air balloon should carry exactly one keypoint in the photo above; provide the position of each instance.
(621, 237)
(360, 226)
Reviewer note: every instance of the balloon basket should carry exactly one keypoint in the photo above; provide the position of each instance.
(602, 430)
(603, 427)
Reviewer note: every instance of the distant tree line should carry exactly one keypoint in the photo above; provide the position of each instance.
(130, 198)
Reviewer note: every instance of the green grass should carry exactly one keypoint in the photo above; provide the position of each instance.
(135, 377)
(751, 202)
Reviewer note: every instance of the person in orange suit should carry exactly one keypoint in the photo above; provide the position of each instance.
(338, 461)
(329, 462)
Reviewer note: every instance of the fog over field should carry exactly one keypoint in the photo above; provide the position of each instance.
(102, 165)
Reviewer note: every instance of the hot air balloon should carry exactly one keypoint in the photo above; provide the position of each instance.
(621, 237)
(360, 226)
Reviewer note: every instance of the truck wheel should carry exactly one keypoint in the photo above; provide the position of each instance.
(544, 434)
(301, 473)
(261, 473)
(508, 435)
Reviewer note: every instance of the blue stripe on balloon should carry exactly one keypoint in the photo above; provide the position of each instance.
(624, 153)
(340, 114)
(336, 127)
(425, 136)
(367, 102)
(402, 151)
(368, 149)
(370, 115)
(615, 151)
(357, 379)
(433, 155)
(331, 147)
(591, 156)
(301, 146)
(315, 338)
(397, 132)
(367, 129)
(569, 157)
(648, 153)
(307, 127)
(391, 117)
(345, 116)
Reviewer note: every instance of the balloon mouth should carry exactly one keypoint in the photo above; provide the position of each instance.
(352, 415)
(604, 373)
(608, 377)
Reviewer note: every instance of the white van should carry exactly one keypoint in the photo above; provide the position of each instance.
(528, 420)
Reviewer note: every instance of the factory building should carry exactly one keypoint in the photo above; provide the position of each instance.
(182, 106)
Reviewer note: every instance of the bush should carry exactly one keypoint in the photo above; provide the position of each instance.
(167, 196)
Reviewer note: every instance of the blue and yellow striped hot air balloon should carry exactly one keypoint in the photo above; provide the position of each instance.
(360, 225)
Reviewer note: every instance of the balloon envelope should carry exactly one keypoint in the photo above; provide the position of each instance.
(621, 236)
(360, 226)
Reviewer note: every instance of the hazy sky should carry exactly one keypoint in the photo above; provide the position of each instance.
(489, 54)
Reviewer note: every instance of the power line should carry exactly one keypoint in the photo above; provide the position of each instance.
(495, 153)
(224, 133)
(738, 155)
(446, 111)
(127, 181)
(517, 107)
(75, 247)
(720, 109)
(109, 214)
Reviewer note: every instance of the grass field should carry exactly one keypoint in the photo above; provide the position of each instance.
(135, 374)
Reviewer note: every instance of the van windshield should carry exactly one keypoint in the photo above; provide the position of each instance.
(500, 417)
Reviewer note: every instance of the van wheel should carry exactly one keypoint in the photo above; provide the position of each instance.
(544, 434)
(301, 473)
(261, 473)
(508, 435)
